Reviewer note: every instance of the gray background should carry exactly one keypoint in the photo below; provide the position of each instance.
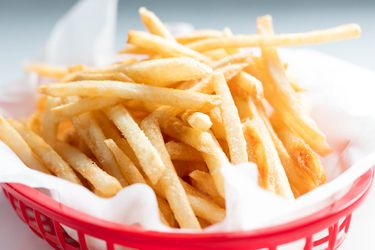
(25, 25)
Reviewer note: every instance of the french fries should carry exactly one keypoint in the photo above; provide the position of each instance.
(172, 113)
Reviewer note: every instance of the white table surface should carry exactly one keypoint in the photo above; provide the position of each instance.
(23, 36)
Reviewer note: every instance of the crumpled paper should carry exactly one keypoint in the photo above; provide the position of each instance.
(340, 98)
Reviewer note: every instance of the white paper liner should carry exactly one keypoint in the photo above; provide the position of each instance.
(341, 101)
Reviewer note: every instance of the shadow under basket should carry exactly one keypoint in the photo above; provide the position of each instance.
(325, 229)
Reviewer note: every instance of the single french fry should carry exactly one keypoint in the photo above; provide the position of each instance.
(182, 152)
(240, 57)
(173, 97)
(135, 50)
(281, 96)
(34, 122)
(97, 76)
(104, 184)
(169, 181)
(146, 153)
(93, 136)
(216, 54)
(232, 123)
(197, 35)
(338, 33)
(14, 141)
(247, 85)
(84, 105)
(162, 72)
(46, 153)
(162, 46)
(202, 205)
(217, 123)
(166, 214)
(199, 121)
(45, 70)
(50, 121)
(127, 167)
(154, 24)
(300, 152)
(203, 182)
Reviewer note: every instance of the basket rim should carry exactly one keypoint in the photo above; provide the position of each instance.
(83, 222)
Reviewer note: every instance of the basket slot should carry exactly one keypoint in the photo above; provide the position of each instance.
(333, 231)
(308, 244)
(59, 233)
(82, 241)
(110, 246)
(347, 223)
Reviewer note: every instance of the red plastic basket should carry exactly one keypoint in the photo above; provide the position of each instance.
(325, 229)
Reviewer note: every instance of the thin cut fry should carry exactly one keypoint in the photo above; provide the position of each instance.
(173, 97)
(154, 24)
(84, 105)
(199, 121)
(127, 167)
(46, 70)
(14, 140)
(162, 72)
(338, 33)
(46, 153)
(203, 206)
(232, 123)
(182, 152)
(104, 184)
(247, 85)
(204, 183)
(97, 76)
(197, 35)
(301, 152)
(146, 153)
(50, 121)
(162, 46)
(169, 182)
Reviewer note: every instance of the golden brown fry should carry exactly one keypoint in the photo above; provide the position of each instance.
(182, 152)
(89, 130)
(197, 35)
(204, 183)
(217, 123)
(169, 182)
(162, 72)
(202, 205)
(162, 46)
(232, 123)
(50, 121)
(240, 57)
(166, 213)
(338, 33)
(45, 70)
(300, 152)
(282, 97)
(173, 97)
(199, 121)
(97, 76)
(14, 140)
(84, 105)
(104, 184)
(135, 50)
(47, 154)
(154, 24)
(146, 153)
(247, 85)
(127, 167)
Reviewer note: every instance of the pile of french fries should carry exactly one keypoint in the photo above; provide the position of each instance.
(175, 111)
